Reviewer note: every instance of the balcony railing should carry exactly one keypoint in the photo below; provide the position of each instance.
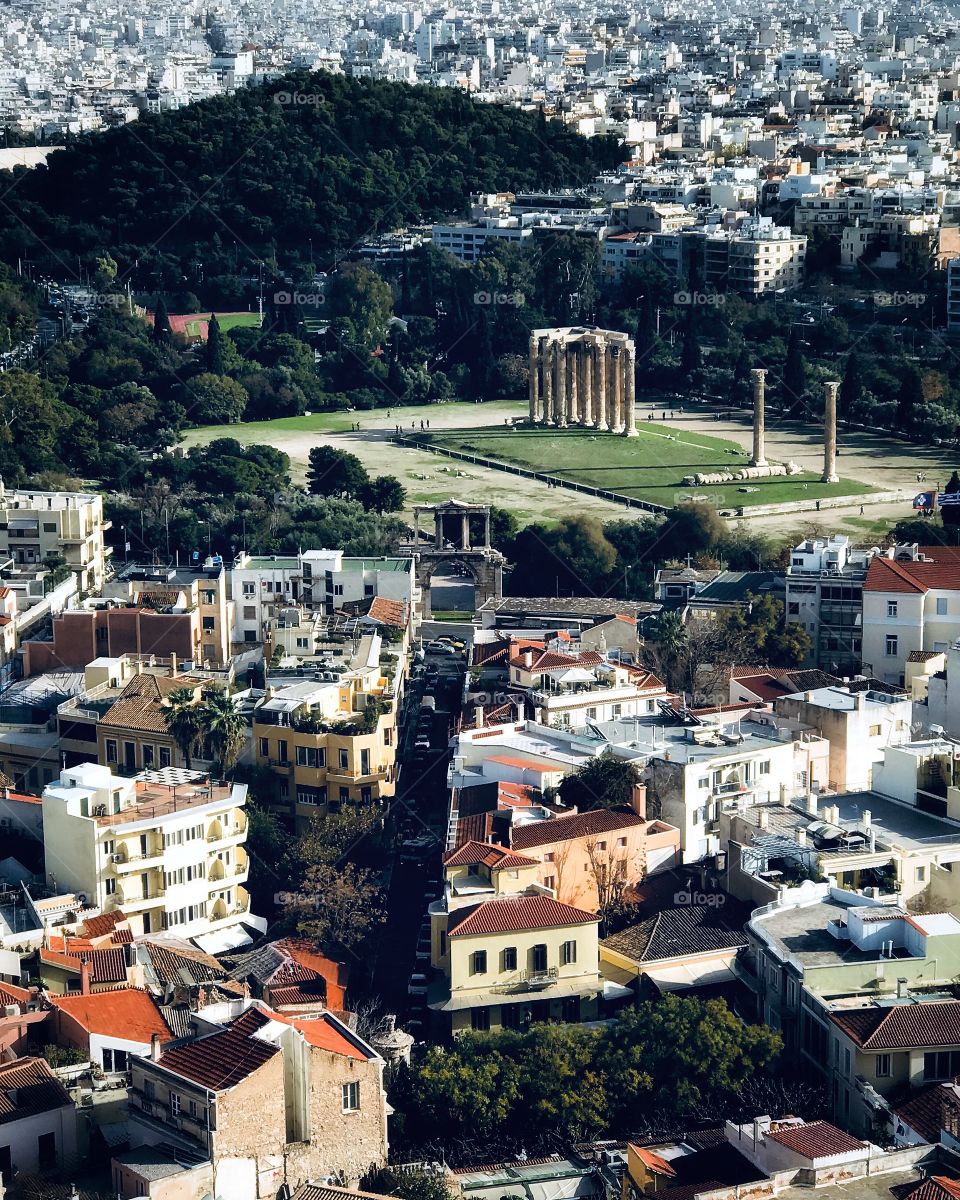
(529, 981)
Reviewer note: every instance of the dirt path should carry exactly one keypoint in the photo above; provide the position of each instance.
(872, 459)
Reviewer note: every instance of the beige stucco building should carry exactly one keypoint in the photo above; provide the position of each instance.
(36, 526)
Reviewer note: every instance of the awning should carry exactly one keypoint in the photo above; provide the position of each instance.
(223, 940)
(557, 991)
(689, 975)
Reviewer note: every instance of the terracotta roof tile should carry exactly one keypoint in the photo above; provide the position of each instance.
(106, 966)
(514, 914)
(924, 1111)
(388, 612)
(474, 854)
(904, 1026)
(123, 1013)
(888, 575)
(29, 1087)
(529, 834)
(225, 1058)
(818, 1139)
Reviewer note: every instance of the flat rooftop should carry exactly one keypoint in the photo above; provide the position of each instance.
(894, 823)
(802, 934)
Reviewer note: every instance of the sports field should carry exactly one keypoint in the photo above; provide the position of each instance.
(194, 325)
(649, 467)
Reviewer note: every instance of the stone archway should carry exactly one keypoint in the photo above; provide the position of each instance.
(474, 554)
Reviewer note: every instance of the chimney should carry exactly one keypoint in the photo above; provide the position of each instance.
(478, 716)
(861, 701)
(638, 801)
(784, 796)
(810, 804)
(528, 658)
(173, 664)
(902, 988)
(84, 977)
(155, 1047)
(763, 819)
(866, 819)
(808, 696)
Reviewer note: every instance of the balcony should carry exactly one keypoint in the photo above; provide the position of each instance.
(529, 981)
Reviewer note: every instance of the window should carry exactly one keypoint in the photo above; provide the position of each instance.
(891, 645)
(765, 767)
(920, 874)
(703, 782)
(480, 1019)
(941, 606)
(110, 886)
(539, 957)
(874, 730)
(249, 612)
(175, 1104)
(568, 953)
(478, 962)
(350, 1096)
(891, 608)
(208, 624)
(548, 857)
(621, 843)
(941, 1064)
(264, 747)
(307, 756)
(793, 608)
(364, 762)
(509, 958)
(148, 756)
(164, 756)
(883, 1066)
(249, 589)
(550, 881)
(343, 758)
(282, 753)
(111, 747)
(49, 527)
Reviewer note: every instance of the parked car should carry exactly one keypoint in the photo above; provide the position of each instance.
(416, 849)
(417, 985)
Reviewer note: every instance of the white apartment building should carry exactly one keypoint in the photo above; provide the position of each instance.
(467, 240)
(166, 847)
(909, 604)
(322, 580)
(577, 690)
(824, 594)
(36, 527)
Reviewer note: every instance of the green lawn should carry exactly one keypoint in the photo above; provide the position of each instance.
(250, 432)
(648, 467)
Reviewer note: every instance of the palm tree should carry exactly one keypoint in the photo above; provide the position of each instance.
(224, 728)
(184, 722)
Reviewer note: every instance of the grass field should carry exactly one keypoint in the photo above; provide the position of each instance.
(250, 432)
(648, 467)
(194, 325)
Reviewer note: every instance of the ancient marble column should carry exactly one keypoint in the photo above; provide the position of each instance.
(534, 380)
(759, 378)
(629, 373)
(561, 392)
(830, 433)
(602, 385)
(573, 357)
(588, 416)
(616, 409)
(547, 356)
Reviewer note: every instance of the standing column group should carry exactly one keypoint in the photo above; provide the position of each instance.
(583, 377)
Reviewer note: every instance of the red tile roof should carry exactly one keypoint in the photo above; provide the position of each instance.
(925, 1110)
(335, 974)
(473, 854)
(29, 1087)
(516, 914)
(654, 1162)
(106, 966)
(937, 1187)
(886, 575)
(13, 995)
(324, 1034)
(105, 923)
(388, 612)
(562, 829)
(124, 1013)
(818, 1139)
(904, 1026)
(550, 660)
(225, 1058)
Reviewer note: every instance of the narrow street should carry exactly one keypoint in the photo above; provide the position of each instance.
(420, 808)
